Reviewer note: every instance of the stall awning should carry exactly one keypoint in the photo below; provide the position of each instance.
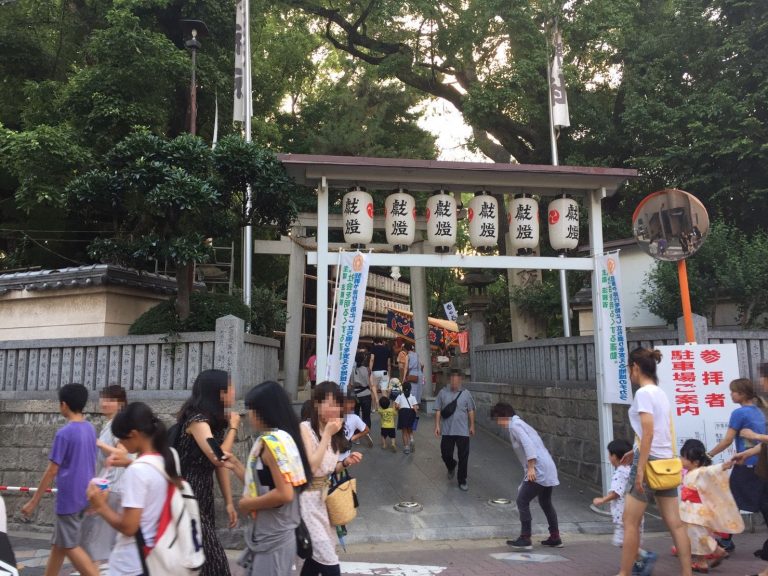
(442, 333)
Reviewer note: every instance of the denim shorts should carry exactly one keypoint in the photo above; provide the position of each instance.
(648, 494)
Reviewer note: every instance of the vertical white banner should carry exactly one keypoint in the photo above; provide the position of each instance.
(696, 379)
(614, 354)
(350, 301)
(450, 311)
(558, 97)
(238, 109)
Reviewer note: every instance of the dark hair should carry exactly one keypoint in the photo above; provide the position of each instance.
(378, 339)
(138, 416)
(384, 402)
(206, 398)
(743, 386)
(502, 410)
(114, 392)
(75, 396)
(695, 451)
(306, 410)
(360, 359)
(407, 389)
(646, 359)
(273, 407)
(764, 370)
(619, 447)
(408, 346)
(319, 394)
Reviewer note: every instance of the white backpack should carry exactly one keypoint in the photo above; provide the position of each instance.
(178, 548)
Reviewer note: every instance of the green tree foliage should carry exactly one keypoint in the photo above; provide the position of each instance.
(205, 310)
(730, 268)
(268, 311)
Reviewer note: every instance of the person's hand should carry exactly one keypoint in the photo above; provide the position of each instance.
(333, 426)
(727, 465)
(472, 430)
(234, 419)
(232, 514)
(120, 459)
(639, 481)
(748, 434)
(97, 497)
(353, 458)
(598, 501)
(437, 430)
(530, 476)
(626, 460)
(739, 458)
(244, 505)
(29, 508)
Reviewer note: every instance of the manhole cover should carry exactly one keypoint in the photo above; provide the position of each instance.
(409, 507)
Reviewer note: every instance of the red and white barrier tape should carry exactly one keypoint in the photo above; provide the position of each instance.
(24, 489)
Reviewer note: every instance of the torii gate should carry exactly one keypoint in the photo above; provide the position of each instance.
(321, 172)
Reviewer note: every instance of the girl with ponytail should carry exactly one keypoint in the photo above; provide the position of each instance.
(142, 433)
(706, 505)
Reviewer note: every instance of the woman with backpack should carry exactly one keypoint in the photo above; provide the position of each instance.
(324, 440)
(276, 471)
(204, 416)
(143, 486)
(361, 388)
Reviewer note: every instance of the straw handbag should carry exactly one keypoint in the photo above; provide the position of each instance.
(341, 500)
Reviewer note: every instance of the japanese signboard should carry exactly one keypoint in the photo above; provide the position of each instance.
(696, 379)
(402, 325)
(450, 311)
(350, 300)
(239, 107)
(614, 351)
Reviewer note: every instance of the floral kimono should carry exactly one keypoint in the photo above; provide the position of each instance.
(707, 506)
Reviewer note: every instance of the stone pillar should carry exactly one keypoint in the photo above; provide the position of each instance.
(478, 329)
(700, 329)
(523, 326)
(420, 320)
(229, 348)
(295, 304)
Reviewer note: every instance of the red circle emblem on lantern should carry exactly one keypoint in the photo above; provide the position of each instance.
(414, 212)
(509, 217)
(470, 214)
(428, 214)
(554, 216)
(369, 210)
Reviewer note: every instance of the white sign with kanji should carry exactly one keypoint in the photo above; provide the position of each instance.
(696, 379)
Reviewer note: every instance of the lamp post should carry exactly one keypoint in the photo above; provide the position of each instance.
(196, 29)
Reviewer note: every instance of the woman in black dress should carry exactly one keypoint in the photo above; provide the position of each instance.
(204, 416)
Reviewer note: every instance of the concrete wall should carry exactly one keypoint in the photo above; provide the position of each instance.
(27, 428)
(566, 419)
(73, 313)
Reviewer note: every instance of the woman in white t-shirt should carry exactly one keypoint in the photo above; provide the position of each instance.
(142, 433)
(650, 417)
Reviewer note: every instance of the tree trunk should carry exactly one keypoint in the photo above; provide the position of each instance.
(184, 281)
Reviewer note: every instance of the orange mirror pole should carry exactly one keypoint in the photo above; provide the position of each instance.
(685, 296)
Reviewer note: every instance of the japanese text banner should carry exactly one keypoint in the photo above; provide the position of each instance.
(350, 301)
(696, 379)
(610, 314)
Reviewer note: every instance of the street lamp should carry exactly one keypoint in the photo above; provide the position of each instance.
(196, 29)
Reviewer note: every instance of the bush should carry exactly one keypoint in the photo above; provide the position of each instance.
(205, 309)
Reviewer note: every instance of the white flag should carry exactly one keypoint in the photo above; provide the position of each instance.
(238, 110)
(558, 97)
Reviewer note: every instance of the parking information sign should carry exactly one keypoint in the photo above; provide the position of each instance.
(696, 379)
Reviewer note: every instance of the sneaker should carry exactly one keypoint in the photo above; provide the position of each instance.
(464, 487)
(552, 542)
(647, 563)
(451, 473)
(369, 440)
(726, 544)
(393, 448)
(522, 543)
(407, 450)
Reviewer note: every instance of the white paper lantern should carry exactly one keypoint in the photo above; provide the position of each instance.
(483, 222)
(357, 212)
(441, 221)
(563, 219)
(400, 221)
(523, 218)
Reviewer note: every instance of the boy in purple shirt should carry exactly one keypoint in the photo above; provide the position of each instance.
(72, 462)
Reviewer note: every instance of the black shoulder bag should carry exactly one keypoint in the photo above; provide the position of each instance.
(448, 410)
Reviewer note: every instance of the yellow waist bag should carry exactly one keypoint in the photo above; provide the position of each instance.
(666, 473)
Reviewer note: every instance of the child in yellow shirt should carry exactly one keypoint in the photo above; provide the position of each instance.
(387, 414)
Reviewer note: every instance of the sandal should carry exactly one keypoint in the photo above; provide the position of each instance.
(700, 567)
(717, 559)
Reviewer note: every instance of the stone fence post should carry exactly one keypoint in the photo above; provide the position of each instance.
(230, 349)
(700, 329)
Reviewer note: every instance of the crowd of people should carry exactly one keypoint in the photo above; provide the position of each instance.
(107, 502)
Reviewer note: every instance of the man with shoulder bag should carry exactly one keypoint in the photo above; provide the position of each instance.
(455, 422)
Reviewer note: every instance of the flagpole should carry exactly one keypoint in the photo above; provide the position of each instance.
(248, 231)
(555, 162)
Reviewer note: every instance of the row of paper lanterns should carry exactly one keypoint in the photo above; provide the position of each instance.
(442, 220)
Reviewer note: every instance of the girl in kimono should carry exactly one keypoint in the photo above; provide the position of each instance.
(706, 505)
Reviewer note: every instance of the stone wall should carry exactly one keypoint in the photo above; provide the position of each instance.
(566, 419)
(27, 428)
